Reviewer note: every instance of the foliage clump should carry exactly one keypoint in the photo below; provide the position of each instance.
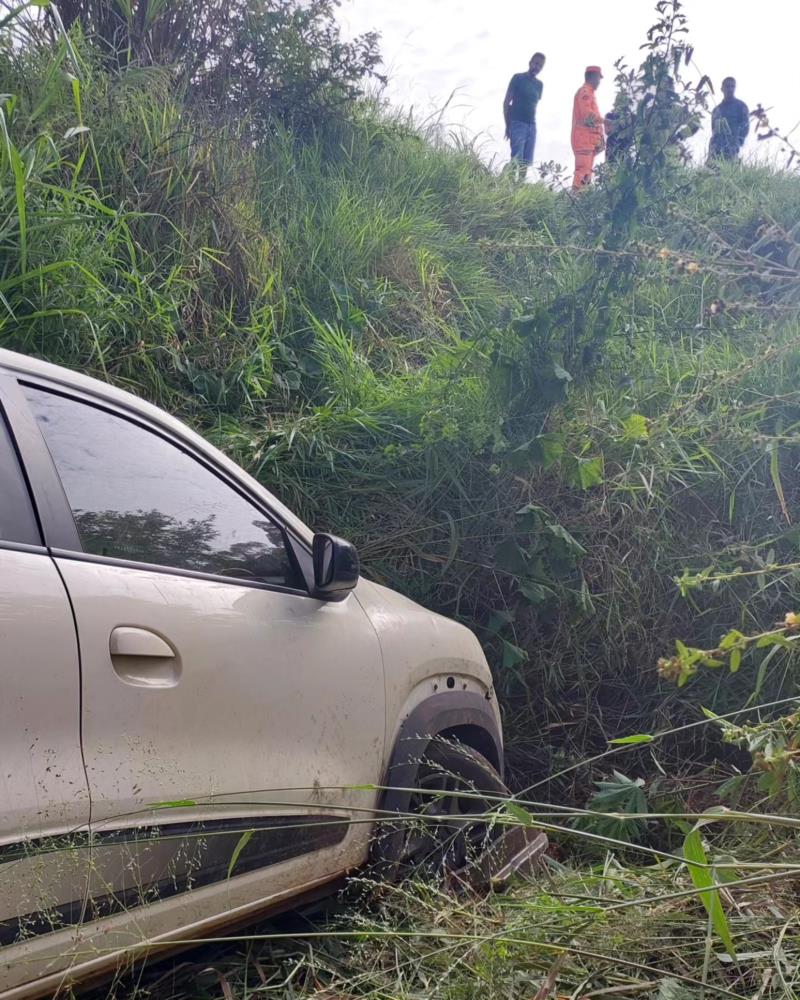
(265, 59)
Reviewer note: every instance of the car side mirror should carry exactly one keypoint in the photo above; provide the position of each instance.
(336, 567)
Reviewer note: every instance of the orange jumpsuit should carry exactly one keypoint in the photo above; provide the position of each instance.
(587, 134)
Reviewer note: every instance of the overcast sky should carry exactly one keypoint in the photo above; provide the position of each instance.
(469, 48)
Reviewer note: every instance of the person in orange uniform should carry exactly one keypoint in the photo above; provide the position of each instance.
(587, 128)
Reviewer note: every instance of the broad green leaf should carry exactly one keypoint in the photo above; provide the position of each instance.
(590, 472)
(736, 660)
(625, 797)
(547, 449)
(560, 532)
(544, 450)
(530, 517)
(635, 428)
(510, 557)
(512, 655)
(242, 842)
(499, 620)
(583, 472)
(703, 879)
(631, 740)
(519, 813)
(537, 593)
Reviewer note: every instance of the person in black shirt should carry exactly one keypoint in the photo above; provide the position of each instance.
(519, 110)
(730, 124)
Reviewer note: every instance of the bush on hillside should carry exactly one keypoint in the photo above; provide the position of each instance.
(264, 59)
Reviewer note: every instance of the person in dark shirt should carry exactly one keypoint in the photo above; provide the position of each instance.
(519, 110)
(730, 124)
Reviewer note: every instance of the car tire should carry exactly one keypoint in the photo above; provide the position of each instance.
(449, 827)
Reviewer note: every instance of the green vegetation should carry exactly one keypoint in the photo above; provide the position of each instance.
(573, 425)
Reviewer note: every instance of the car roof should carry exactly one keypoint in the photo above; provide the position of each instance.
(22, 364)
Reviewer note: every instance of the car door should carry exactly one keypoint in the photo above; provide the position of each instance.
(228, 717)
(44, 802)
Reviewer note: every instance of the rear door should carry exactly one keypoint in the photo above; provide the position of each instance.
(44, 802)
(226, 714)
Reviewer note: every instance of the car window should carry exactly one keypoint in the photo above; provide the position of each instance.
(136, 496)
(17, 522)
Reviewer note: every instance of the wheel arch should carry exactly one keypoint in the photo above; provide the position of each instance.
(465, 716)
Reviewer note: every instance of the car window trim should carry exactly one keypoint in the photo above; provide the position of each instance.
(58, 527)
(92, 557)
(9, 546)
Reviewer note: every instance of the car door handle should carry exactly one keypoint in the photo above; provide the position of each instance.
(143, 659)
(129, 641)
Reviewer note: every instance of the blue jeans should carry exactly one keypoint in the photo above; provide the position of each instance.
(523, 140)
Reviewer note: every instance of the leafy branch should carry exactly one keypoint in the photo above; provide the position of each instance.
(730, 650)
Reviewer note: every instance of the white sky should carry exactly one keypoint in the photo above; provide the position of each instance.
(433, 48)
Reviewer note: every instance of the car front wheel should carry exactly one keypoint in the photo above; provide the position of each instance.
(453, 828)
(452, 813)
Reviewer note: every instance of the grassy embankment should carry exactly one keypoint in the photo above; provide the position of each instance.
(518, 425)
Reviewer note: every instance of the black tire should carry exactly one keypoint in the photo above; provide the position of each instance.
(448, 827)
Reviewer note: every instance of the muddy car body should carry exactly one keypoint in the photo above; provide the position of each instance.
(201, 697)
